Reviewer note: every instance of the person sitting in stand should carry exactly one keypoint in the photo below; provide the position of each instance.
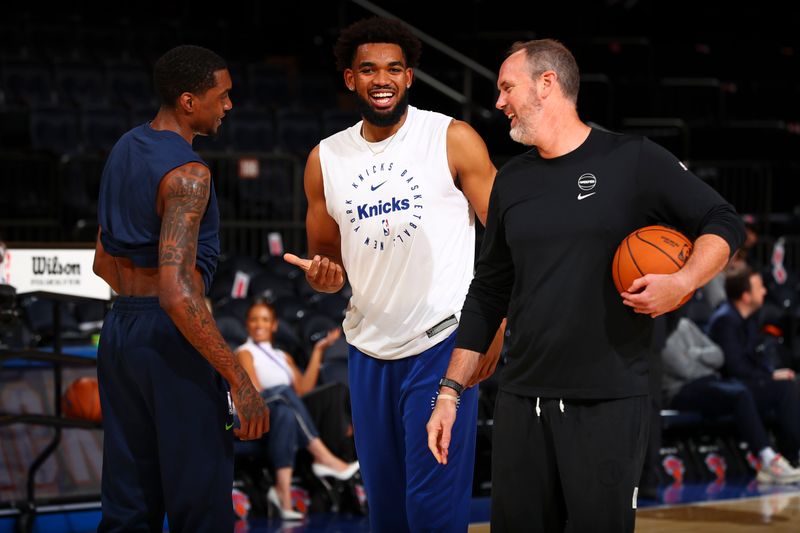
(281, 383)
(692, 381)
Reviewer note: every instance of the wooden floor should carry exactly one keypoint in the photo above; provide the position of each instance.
(775, 513)
(775, 510)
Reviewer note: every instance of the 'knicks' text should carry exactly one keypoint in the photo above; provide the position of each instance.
(382, 208)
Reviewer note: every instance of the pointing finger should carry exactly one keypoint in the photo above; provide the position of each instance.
(305, 264)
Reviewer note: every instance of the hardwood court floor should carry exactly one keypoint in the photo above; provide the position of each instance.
(738, 508)
(778, 513)
(777, 510)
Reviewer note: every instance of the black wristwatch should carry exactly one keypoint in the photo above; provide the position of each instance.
(455, 385)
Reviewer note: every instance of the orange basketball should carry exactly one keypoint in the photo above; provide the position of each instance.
(82, 400)
(650, 250)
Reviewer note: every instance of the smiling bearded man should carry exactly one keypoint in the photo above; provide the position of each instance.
(391, 204)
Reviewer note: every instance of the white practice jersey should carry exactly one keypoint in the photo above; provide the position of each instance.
(408, 234)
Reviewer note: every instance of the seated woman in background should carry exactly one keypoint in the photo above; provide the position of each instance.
(280, 382)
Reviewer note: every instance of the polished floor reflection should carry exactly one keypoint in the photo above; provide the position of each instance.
(728, 507)
(707, 508)
(775, 512)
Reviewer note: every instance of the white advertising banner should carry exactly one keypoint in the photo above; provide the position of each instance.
(62, 271)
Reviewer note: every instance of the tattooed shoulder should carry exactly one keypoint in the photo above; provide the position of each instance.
(190, 180)
(186, 192)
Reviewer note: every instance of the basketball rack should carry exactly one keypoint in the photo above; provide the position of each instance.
(28, 508)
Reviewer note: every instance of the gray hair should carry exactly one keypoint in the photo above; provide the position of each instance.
(549, 54)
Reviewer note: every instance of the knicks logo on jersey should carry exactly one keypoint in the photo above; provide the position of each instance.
(382, 208)
(385, 206)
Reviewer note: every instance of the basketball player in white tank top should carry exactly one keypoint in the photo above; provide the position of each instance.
(391, 204)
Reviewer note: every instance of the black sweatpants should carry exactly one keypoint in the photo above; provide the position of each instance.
(167, 440)
(574, 467)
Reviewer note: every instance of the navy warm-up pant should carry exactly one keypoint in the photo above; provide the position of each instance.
(167, 441)
(573, 466)
(392, 401)
(713, 396)
(290, 425)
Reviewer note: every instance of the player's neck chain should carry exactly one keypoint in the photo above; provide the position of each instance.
(381, 145)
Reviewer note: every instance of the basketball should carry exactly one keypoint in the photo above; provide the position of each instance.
(650, 250)
(82, 400)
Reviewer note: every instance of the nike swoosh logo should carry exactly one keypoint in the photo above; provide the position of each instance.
(375, 187)
(228, 426)
(582, 196)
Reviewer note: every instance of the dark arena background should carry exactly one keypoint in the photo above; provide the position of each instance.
(716, 83)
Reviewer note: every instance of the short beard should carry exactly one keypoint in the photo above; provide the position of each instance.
(382, 119)
(519, 135)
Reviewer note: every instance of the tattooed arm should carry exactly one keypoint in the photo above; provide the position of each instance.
(182, 199)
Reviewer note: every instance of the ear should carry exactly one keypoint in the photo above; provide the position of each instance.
(747, 297)
(410, 76)
(547, 82)
(186, 102)
(349, 79)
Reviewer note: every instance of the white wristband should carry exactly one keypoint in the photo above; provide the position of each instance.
(451, 397)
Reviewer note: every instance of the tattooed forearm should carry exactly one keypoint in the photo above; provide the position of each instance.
(194, 320)
(183, 197)
(201, 329)
(185, 194)
(248, 401)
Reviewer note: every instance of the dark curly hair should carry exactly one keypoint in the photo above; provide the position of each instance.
(185, 68)
(376, 30)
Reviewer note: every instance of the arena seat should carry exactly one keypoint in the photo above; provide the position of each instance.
(80, 85)
(55, 130)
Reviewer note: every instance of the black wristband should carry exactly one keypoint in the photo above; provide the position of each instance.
(455, 385)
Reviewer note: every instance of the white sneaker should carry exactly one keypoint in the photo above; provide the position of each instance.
(321, 470)
(286, 514)
(779, 472)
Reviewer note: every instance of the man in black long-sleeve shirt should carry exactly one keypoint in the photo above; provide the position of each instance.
(571, 418)
(734, 328)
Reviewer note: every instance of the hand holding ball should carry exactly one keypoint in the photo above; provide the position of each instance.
(650, 250)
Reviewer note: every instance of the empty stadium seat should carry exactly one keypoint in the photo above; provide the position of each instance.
(28, 84)
(270, 287)
(232, 329)
(251, 130)
(314, 327)
(290, 308)
(130, 85)
(269, 194)
(80, 85)
(298, 131)
(269, 85)
(55, 130)
(102, 128)
(335, 120)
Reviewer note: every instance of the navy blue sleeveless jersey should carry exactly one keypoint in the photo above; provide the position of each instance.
(126, 207)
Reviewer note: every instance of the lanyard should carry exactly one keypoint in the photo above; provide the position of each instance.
(280, 362)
